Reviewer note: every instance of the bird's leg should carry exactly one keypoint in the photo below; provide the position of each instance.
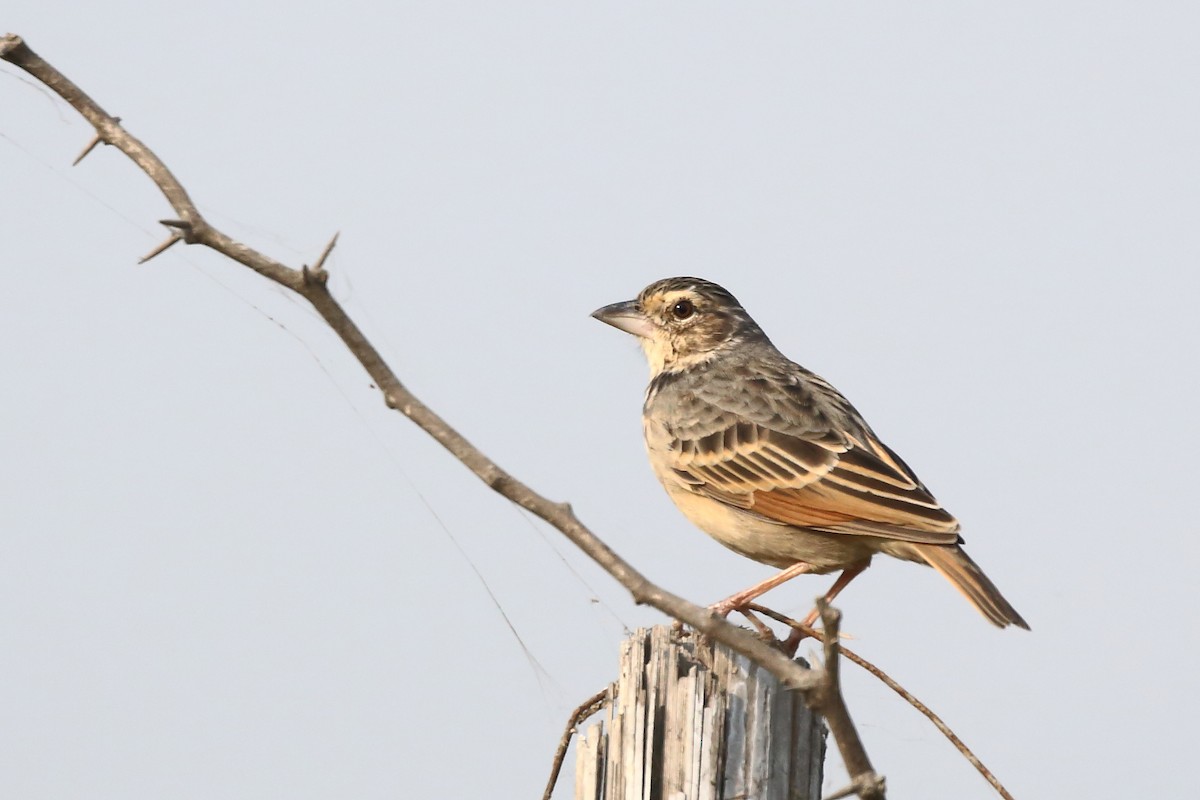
(848, 574)
(743, 598)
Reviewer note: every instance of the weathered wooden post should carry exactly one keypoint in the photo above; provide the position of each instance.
(691, 720)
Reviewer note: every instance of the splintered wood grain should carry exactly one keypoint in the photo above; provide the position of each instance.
(694, 721)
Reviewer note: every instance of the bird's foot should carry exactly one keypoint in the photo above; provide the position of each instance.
(727, 606)
(800, 633)
(791, 644)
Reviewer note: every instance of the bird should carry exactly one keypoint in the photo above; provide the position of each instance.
(772, 461)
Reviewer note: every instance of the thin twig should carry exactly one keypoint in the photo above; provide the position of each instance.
(195, 229)
(585, 710)
(828, 701)
(935, 719)
(863, 786)
(900, 690)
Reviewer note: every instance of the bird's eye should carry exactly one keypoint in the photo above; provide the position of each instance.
(683, 309)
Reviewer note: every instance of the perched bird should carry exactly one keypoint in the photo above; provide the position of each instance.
(772, 461)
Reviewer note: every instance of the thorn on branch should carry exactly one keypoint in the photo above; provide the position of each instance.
(96, 140)
(316, 274)
(172, 239)
(87, 149)
(181, 231)
(185, 229)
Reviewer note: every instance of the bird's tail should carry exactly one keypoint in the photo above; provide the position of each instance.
(968, 578)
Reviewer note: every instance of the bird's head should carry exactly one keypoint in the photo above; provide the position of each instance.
(682, 322)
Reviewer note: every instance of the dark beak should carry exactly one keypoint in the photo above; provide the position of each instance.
(626, 317)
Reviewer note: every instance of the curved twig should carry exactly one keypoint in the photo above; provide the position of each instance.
(585, 710)
(900, 690)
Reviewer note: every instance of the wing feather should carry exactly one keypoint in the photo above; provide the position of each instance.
(780, 441)
(854, 485)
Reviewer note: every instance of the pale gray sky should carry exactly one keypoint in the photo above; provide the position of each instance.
(219, 574)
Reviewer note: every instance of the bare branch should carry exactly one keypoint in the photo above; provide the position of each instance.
(828, 701)
(908, 696)
(396, 396)
(194, 229)
(585, 710)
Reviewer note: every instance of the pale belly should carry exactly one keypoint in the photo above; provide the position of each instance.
(770, 542)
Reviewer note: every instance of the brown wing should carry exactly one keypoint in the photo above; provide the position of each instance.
(838, 484)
